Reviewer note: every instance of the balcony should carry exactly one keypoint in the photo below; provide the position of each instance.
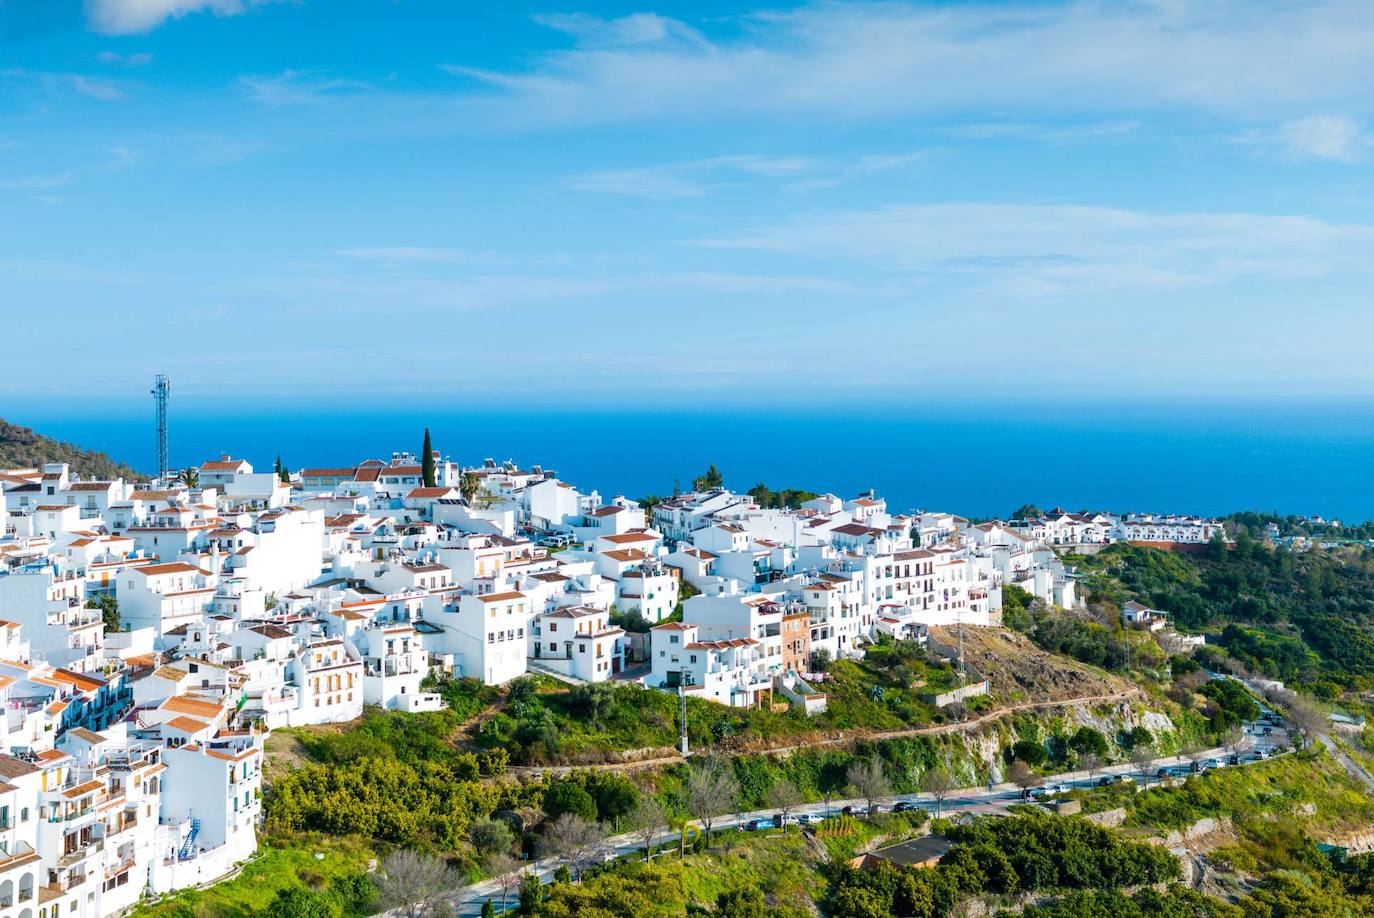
(72, 814)
(76, 855)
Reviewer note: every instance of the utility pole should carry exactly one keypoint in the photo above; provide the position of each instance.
(682, 714)
(162, 388)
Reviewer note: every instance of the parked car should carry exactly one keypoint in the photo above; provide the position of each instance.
(810, 819)
(854, 809)
(1104, 781)
(1268, 731)
(1164, 773)
(906, 806)
(1233, 759)
(757, 825)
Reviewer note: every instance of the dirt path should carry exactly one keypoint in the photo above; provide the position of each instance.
(843, 739)
(1352, 768)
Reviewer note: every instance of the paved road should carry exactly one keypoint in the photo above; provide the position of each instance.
(977, 799)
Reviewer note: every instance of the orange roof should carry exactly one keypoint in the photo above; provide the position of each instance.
(183, 705)
(626, 555)
(80, 680)
(501, 597)
(625, 538)
(430, 492)
(223, 465)
(82, 790)
(188, 724)
(174, 567)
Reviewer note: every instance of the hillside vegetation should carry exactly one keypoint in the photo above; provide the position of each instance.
(1305, 617)
(21, 447)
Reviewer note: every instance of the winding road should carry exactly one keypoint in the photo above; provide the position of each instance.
(973, 799)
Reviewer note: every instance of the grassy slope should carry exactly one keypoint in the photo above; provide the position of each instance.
(1274, 807)
(21, 447)
(277, 867)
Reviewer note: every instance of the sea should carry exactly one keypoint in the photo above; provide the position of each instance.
(981, 459)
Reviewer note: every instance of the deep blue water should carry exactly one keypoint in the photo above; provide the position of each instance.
(977, 459)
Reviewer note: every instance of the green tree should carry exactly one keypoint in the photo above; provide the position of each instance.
(710, 479)
(1029, 751)
(741, 903)
(566, 796)
(1087, 741)
(592, 701)
(489, 836)
(299, 902)
(1139, 736)
(108, 604)
(283, 475)
(427, 461)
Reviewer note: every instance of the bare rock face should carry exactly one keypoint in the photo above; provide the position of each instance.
(1015, 666)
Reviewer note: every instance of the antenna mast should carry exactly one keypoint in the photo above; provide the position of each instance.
(162, 387)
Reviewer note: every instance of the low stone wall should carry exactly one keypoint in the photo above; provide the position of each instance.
(972, 690)
(1111, 819)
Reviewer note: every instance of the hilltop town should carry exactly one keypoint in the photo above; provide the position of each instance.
(155, 633)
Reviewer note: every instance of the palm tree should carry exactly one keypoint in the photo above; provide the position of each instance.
(469, 485)
(684, 827)
(190, 477)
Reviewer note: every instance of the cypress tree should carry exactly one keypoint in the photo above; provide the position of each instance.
(427, 462)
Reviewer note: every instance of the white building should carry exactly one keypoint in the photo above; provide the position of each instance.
(728, 671)
(579, 642)
(487, 634)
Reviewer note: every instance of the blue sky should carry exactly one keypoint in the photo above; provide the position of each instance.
(601, 203)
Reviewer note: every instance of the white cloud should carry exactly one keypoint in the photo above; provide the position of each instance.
(299, 87)
(649, 182)
(1054, 250)
(1336, 137)
(44, 182)
(104, 90)
(410, 255)
(879, 59)
(132, 17)
(140, 59)
(626, 31)
(1072, 133)
(882, 162)
(689, 179)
